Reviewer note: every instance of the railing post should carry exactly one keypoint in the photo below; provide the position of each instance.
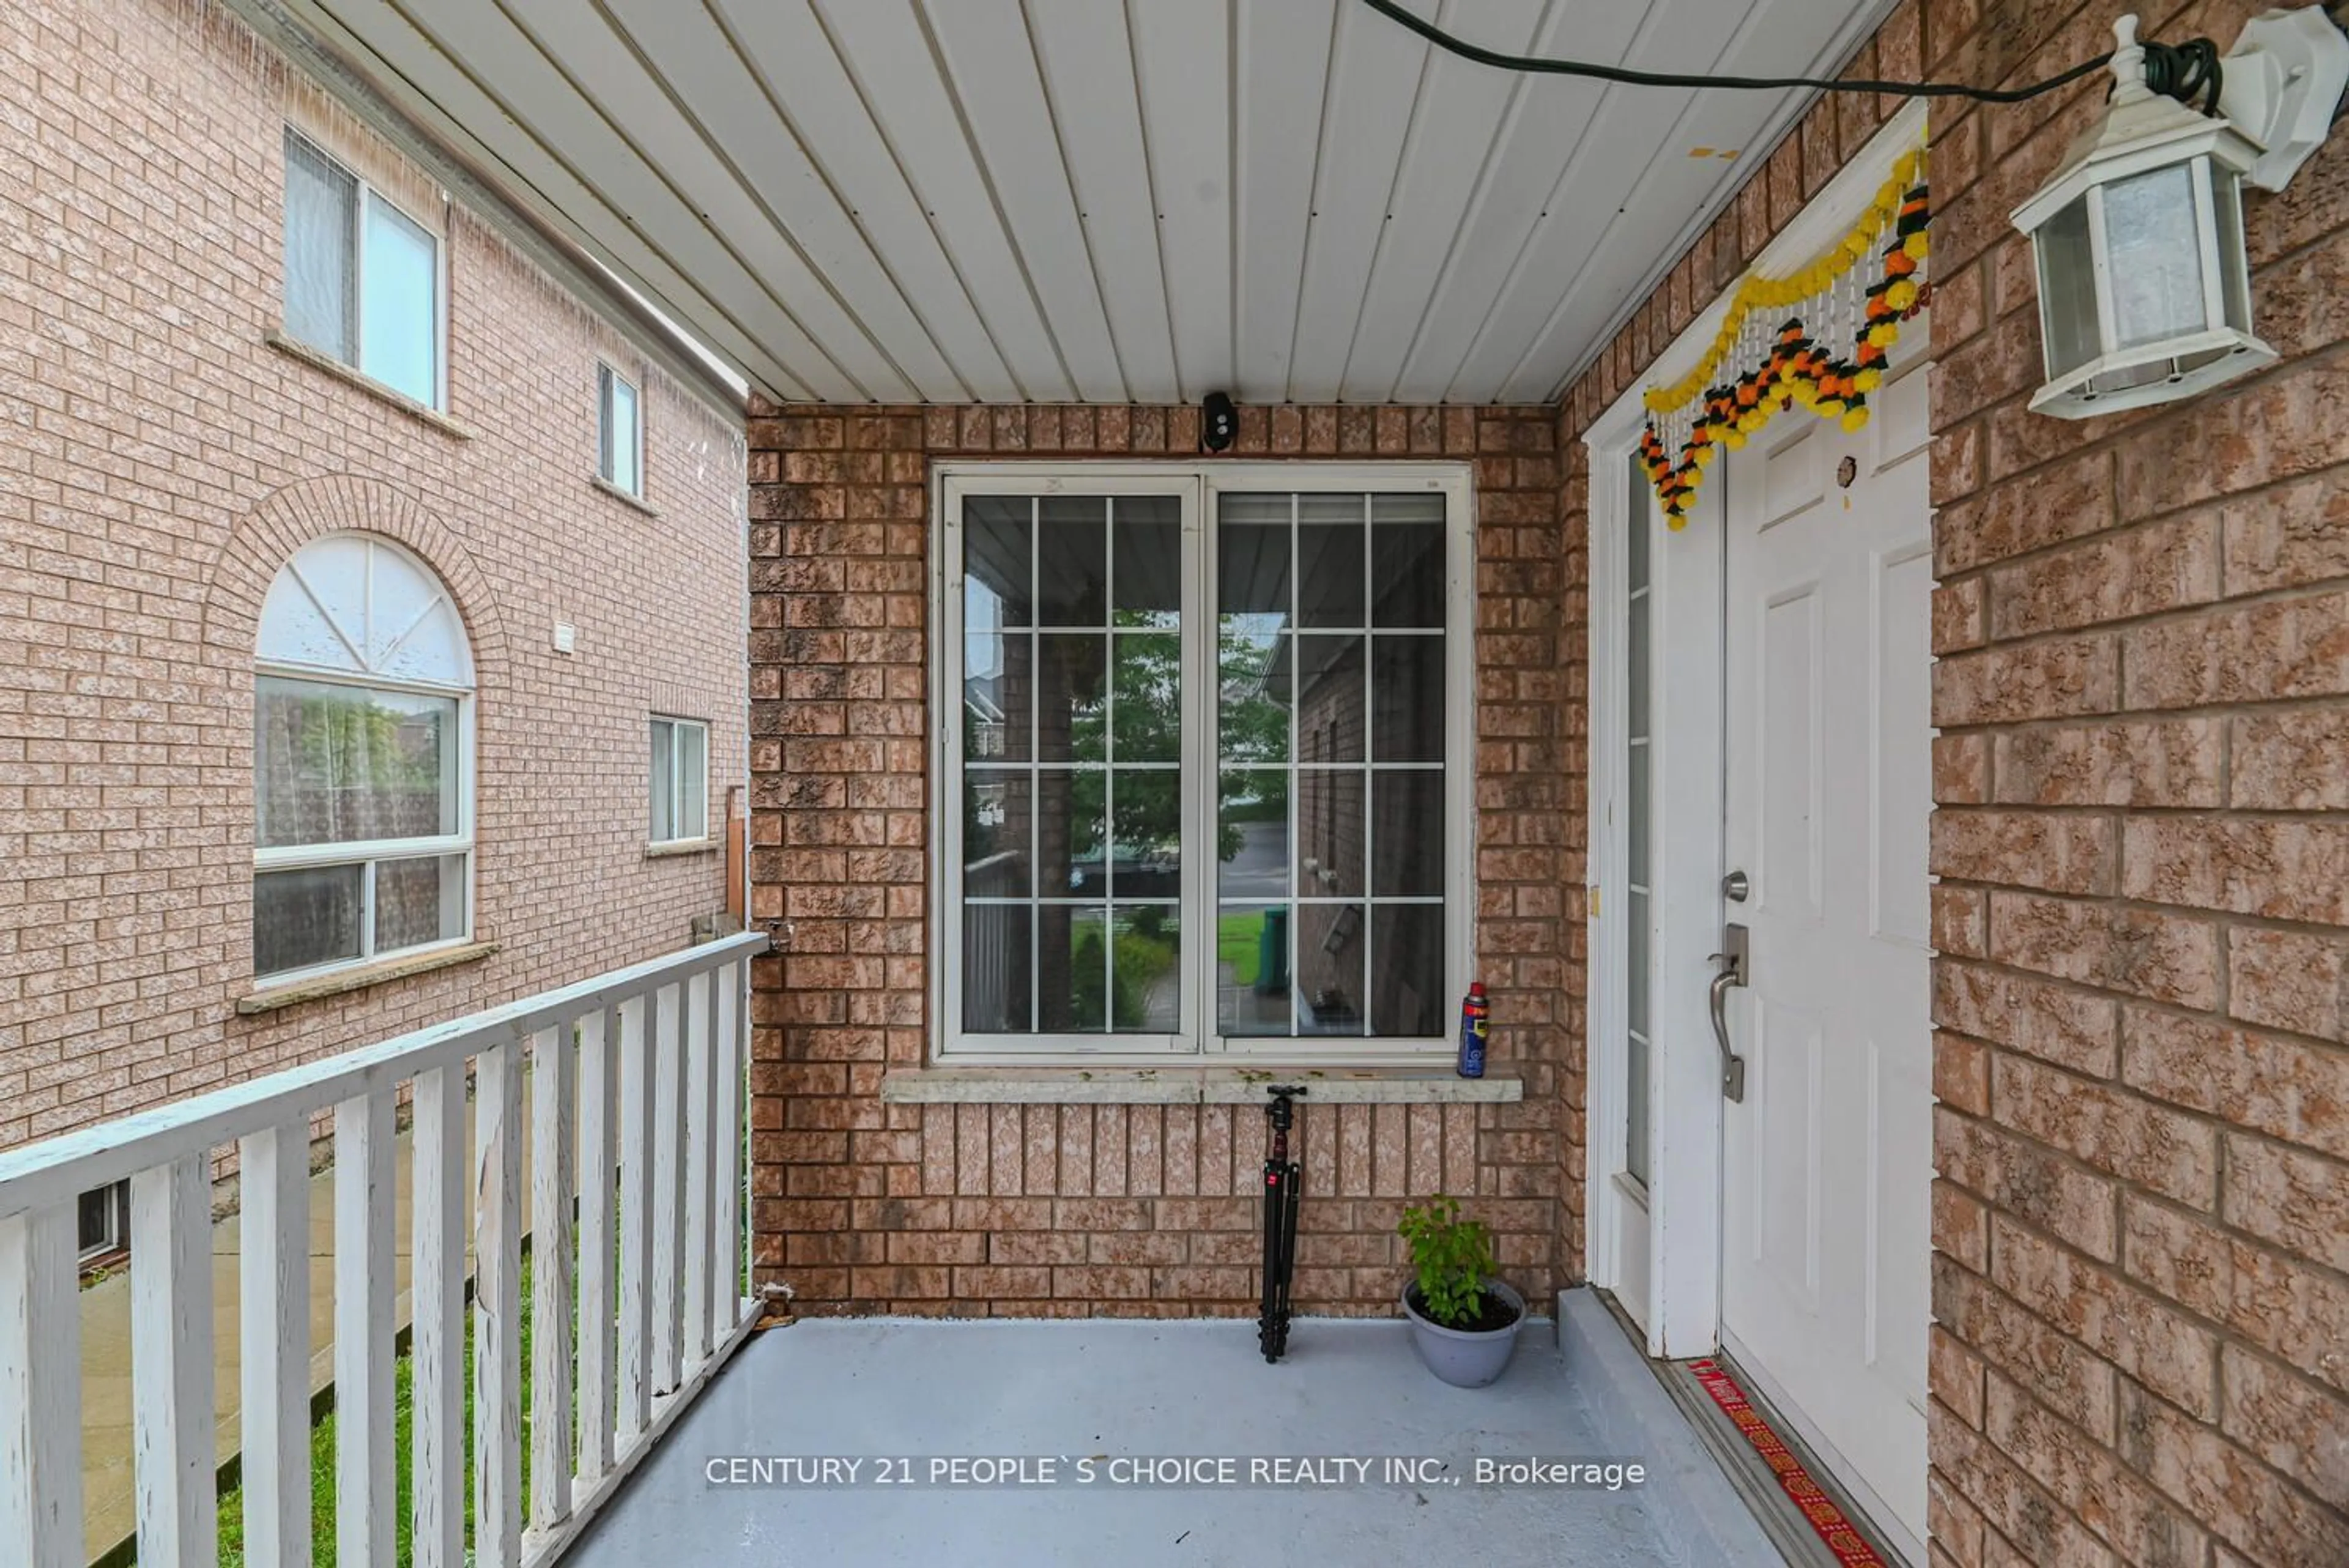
(365, 1449)
(273, 1343)
(437, 1259)
(552, 1091)
(668, 1186)
(497, 1307)
(637, 1018)
(701, 1157)
(726, 1293)
(171, 1338)
(599, 1074)
(40, 1388)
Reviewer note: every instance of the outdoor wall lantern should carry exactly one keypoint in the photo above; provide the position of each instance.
(2144, 280)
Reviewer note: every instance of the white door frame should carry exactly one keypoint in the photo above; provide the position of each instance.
(1684, 1208)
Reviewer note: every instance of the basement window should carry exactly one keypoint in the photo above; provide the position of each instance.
(1208, 791)
(102, 1223)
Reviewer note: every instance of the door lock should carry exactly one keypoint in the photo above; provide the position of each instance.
(1737, 887)
(1734, 938)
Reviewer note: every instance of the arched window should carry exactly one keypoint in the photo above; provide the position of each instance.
(363, 760)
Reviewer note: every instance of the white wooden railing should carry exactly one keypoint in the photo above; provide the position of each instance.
(637, 1095)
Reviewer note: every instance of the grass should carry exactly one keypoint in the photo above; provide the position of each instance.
(1235, 944)
(403, 1405)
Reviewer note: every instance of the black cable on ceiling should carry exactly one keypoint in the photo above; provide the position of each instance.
(2182, 71)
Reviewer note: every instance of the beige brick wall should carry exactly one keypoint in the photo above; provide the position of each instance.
(159, 462)
(2141, 1287)
(1128, 1210)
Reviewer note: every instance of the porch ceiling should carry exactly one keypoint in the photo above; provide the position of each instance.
(1082, 200)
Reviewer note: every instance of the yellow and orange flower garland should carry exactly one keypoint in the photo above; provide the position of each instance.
(1800, 371)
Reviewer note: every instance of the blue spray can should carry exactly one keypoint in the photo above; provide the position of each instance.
(1475, 1015)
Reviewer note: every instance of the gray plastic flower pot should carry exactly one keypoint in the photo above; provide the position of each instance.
(1462, 1357)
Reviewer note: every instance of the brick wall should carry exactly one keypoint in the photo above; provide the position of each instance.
(2140, 1283)
(1072, 1210)
(158, 464)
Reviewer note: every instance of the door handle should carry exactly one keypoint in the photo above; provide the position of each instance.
(1731, 972)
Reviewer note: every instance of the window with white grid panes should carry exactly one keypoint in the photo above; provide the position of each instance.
(1201, 780)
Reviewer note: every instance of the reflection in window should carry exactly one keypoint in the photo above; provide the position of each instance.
(1307, 819)
(1072, 781)
(1332, 751)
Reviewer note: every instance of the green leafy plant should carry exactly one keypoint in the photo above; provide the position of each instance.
(1453, 1257)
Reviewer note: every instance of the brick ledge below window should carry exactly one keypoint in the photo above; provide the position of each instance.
(1077, 1085)
(270, 998)
(619, 493)
(295, 349)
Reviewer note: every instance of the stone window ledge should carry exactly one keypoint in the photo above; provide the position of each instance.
(1078, 1086)
(295, 349)
(598, 482)
(680, 846)
(270, 998)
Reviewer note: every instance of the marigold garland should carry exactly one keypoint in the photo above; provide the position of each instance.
(1758, 292)
(1800, 371)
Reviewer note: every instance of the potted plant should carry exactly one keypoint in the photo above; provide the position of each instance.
(1463, 1319)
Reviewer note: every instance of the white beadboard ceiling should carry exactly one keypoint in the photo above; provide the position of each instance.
(1105, 201)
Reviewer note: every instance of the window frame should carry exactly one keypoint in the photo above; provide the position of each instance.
(368, 852)
(117, 1239)
(368, 195)
(677, 722)
(1200, 487)
(607, 375)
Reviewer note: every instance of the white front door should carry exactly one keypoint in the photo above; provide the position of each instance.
(1826, 1247)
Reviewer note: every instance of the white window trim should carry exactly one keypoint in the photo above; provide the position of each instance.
(117, 1236)
(368, 195)
(1198, 487)
(367, 852)
(676, 777)
(605, 375)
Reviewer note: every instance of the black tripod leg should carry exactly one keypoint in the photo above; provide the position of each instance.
(1292, 1193)
(1268, 1326)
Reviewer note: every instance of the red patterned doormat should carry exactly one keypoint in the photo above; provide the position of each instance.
(1842, 1537)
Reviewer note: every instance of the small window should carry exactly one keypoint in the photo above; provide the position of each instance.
(103, 1222)
(620, 440)
(362, 278)
(362, 755)
(680, 781)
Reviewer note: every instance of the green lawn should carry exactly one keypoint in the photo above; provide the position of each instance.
(1235, 944)
(322, 1462)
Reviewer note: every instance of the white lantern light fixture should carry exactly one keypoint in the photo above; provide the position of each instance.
(2144, 280)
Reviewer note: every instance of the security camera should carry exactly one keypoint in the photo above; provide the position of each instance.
(1219, 421)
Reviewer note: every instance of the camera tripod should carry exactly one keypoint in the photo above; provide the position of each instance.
(1281, 1187)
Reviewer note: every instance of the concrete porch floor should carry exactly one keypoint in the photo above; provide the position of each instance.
(1107, 1390)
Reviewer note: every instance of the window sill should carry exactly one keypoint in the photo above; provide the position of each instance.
(619, 493)
(1076, 1085)
(681, 847)
(270, 998)
(295, 349)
